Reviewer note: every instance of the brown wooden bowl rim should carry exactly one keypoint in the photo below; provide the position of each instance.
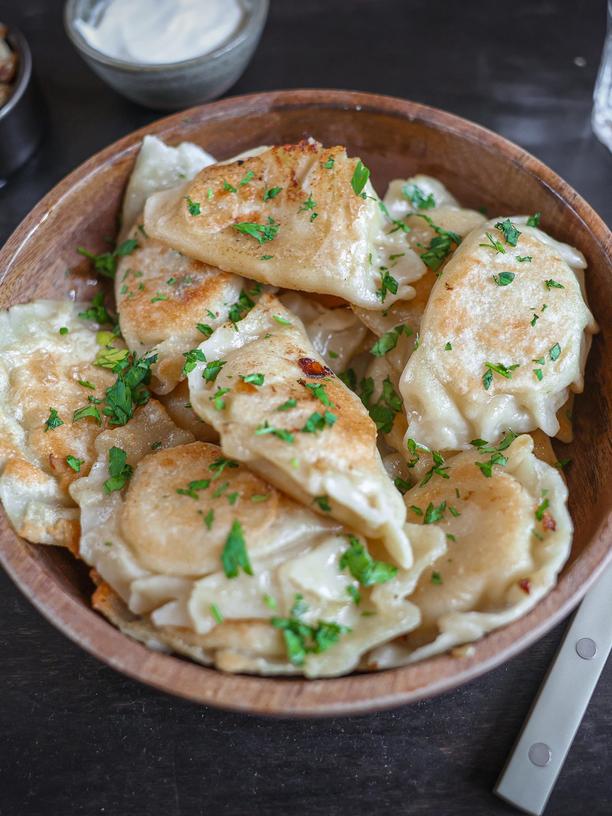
(352, 694)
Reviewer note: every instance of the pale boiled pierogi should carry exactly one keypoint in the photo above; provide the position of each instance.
(159, 166)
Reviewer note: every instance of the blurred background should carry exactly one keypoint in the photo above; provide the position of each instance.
(77, 738)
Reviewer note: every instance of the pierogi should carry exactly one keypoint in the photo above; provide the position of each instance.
(278, 407)
(298, 216)
(158, 166)
(196, 552)
(509, 534)
(167, 303)
(47, 372)
(504, 337)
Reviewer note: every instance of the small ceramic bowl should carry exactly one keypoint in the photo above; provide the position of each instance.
(21, 115)
(173, 85)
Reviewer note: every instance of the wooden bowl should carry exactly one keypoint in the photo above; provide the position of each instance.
(396, 139)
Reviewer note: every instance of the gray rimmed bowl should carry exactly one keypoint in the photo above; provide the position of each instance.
(21, 115)
(173, 85)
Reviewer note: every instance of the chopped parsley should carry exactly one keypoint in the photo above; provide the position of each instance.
(387, 284)
(129, 390)
(220, 464)
(247, 178)
(493, 244)
(541, 509)
(110, 357)
(438, 467)
(361, 174)
(279, 433)
(301, 639)
(193, 487)
(317, 422)
(388, 341)
(497, 458)
(87, 411)
(270, 602)
(286, 406)
(235, 556)
(534, 220)
(204, 329)
(97, 311)
(214, 611)
(217, 398)
(282, 321)
(486, 468)
(329, 164)
(524, 258)
(308, 206)
(211, 372)
(436, 578)
(194, 207)
(363, 567)
(434, 514)
(192, 358)
(106, 262)
(271, 192)
(383, 412)
(538, 373)
(260, 232)
(498, 368)
(440, 246)
(53, 421)
(417, 197)
(504, 278)
(322, 503)
(318, 391)
(253, 379)
(119, 470)
(240, 309)
(553, 284)
(74, 463)
(509, 231)
(555, 352)
(403, 485)
(229, 188)
(448, 346)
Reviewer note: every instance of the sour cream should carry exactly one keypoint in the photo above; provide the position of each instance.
(162, 31)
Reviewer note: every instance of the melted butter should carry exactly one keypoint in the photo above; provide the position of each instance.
(164, 31)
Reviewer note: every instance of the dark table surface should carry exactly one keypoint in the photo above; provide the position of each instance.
(78, 738)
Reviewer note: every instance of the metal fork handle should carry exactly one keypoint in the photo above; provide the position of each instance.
(538, 756)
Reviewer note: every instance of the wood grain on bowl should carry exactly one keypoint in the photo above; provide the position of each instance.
(395, 138)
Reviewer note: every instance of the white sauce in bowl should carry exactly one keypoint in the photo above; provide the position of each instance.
(162, 31)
